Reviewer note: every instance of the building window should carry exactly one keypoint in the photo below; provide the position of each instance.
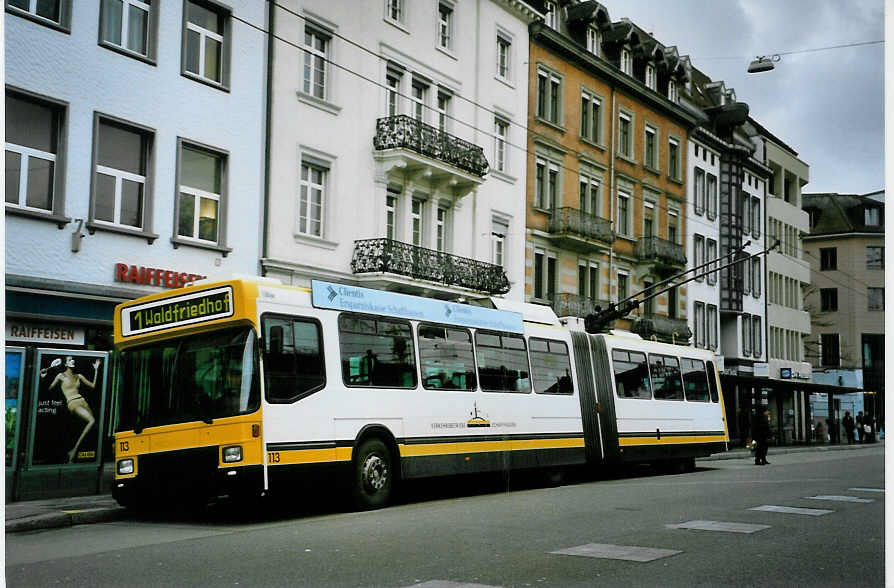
(626, 62)
(499, 230)
(551, 14)
(441, 229)
(546, 184)
(202, 194)
(699, 325)
(594, 40)
(648, 219)
(316, 59)
(756, 336)
(756, 218)
(699, 249)
(871, 216)
(504, 57)
(501, 135)
(746, 335)
(711, 253)
(51, 12)
(623, 226)
(828, 299)
(876, 299)
(390, 214)
(311, 199)
(650, 76)
(544, 275)
(119, 186)
(126, 24)
(549, 96)
(746, 214)
(445, 26)
(712, 326)
(590, 117)
(623, 286)
(673, 304)
(829, 345)
(443, 110)
(394, 10)
(651, 148)
(392, 93)
(756, 280)
(711, 195)
(673, 158)
(205, 43)
(672, 93)
(588, 280)
(589, 194)
(673, 220)
(625, 140)
(417, 98)
(416, 216)
(875, 257)
(699, 189)
(33, 128)
(828, 258)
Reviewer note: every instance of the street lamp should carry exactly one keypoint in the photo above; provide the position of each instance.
(763, 63)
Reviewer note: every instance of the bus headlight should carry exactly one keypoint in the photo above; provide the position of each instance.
(125, 467)
(232, 454)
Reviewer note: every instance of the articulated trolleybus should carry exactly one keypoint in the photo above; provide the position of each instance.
(244, 387)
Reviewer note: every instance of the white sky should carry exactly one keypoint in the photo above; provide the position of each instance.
(828, 106)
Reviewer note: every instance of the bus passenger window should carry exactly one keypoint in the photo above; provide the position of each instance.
(293, 359)
(665, 371)
(550, 367)
(631, 374)
(376, 352)
(502, 362)
(695, 379)
(446, 358)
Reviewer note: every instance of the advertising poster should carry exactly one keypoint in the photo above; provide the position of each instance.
(69, 394)
(15, 363)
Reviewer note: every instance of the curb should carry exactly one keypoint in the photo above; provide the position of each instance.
(57, 520)
(743, 454)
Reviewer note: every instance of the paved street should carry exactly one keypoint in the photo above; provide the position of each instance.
(807, 519)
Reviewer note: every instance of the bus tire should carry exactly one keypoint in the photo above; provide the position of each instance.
(373, 475)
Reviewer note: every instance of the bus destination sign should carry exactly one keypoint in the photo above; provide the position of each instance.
(189, 309)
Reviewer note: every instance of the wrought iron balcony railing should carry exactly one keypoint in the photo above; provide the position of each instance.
(396, 257)
(583, 224)
(566, 304)
(665, 328)
(402, 131)
(660, 250)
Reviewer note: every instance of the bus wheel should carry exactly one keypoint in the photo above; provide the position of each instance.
(373, 475)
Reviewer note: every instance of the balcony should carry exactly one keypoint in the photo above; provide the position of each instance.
(387, 256)
(405, 132)
(577, 230)
(664, 328)
(666, 255)
(566, 304)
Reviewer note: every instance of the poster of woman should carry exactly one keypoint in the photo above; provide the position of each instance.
(70, 395)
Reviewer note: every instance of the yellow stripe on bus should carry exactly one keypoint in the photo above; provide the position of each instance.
(676, 440)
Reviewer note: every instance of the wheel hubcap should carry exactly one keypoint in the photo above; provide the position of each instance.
(375, 473)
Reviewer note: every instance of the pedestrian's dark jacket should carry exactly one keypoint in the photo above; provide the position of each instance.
(760, 428)
(848, 423)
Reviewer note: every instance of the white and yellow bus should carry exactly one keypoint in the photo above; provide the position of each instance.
(250, 387)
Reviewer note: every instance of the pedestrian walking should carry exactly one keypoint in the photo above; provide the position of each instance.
(860, 426)
(848, 422)
(760, 432)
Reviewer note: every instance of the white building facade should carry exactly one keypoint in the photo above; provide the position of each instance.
(397, 134)
(134, 160)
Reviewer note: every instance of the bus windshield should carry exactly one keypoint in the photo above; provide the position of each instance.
(197, 378)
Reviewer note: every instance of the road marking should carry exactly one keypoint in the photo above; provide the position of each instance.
(625, 552)
(815, 512)
(840, 498)
(719, 526)
(449, 584)
(882, 490)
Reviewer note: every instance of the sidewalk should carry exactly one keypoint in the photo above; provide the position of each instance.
(99, 508)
